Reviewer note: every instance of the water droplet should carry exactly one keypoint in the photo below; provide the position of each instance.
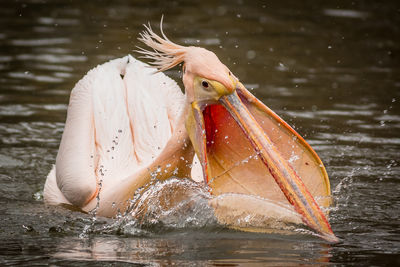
(293, 158)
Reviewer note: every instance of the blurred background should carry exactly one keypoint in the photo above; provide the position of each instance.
(330, 69)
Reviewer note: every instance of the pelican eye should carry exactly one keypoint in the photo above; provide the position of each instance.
(204, 84)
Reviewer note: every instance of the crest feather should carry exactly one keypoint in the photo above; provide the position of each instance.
(165, 54)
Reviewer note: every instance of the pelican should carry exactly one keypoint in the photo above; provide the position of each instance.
(128, 124)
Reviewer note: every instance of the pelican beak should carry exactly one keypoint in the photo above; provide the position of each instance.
(245, 148)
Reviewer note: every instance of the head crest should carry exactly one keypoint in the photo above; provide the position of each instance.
(198, 61)
(165, 54)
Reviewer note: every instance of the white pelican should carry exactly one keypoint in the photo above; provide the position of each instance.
(127, 124)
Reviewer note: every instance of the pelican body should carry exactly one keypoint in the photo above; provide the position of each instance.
(127, 124)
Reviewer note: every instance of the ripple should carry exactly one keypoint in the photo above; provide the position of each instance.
(62, 74)
(345, 13)
(31, 76)
(299, 80)
(22, 88)
(52, 50)
(62, 21)
(197, 42)
(9, 162)
(379, 69)
(299, 114)
(52, 58)
(44, 29)
(346, 113)
(15, 110)
(50, 106)
(53, 67)
(25, 133)
(324, 114)
(30, 109)
(356, 107)
(355, 122)
(5, 58)
(40, 42)
(388, 118)
(359, 138)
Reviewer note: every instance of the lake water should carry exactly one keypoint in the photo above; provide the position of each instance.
(331, 69)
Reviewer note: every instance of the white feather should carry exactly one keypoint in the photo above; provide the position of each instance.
(120, 117)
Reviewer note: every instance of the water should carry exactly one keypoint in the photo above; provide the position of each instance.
(330, 69)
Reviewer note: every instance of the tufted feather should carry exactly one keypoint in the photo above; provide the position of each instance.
(165, 54)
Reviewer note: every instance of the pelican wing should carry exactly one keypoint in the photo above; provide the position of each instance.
(121, 118)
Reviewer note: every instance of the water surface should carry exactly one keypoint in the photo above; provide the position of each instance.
(330, 69)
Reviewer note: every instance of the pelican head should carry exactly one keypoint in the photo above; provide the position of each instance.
(227, 124)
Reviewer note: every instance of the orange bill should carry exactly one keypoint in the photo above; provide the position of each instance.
(245, 148)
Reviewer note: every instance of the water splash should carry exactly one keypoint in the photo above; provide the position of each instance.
(341, 194)
(174, 203)
(90, 227)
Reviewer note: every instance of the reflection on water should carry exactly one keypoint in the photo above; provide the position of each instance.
(330, 69)
(179, 248)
